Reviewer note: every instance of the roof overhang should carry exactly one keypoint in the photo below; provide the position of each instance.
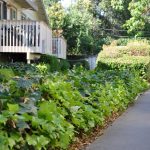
(28, 4)
(42, 11)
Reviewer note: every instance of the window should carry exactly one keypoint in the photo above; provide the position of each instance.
(3, 10)
(13, 14)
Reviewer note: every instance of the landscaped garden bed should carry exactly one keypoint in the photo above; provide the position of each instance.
(43, 110)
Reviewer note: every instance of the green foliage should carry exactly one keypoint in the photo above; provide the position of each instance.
(52, 61)
(43, 68)
(64, 65)
(56, 15)
(80, 63)
(6, 74)
(126, 62)
(148, 73)
(123, 41)
(47, 110)
(45, 64)
(135, 55)
(139, 16)
(86, 24)
(48, 3)
(79, 27)
(52, 64)
(18, 68)
(113, 15)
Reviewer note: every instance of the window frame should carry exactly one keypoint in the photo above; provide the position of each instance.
(12, 10)
(1, 13)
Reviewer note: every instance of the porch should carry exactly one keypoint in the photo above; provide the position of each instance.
(30, 37)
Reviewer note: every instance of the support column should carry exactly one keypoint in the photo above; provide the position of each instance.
(28, 61)
(28, 58)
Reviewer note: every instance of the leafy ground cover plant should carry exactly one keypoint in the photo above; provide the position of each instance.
(48, 110)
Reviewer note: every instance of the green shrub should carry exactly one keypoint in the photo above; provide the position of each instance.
(47, 110)
(148, 72)
(123, 41)
(6, 74)
(138, 48)
(19, 69)
(43, 68)
(64, 65)
(110, 51)
(79, 63)
(132, 48)
(52, 61)
(135, 55)
(126, 62)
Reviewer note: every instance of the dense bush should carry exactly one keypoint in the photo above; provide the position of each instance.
(47, 111)
(19, 68)
(64, 65)
(54, 64)
(79, 63)
(135, 55)
(44, 65)
(123, 41)
(52, 61)
(6, 74)
(148, 73)
(132, 48)
(127, 62)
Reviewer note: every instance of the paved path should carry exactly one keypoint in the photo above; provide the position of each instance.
(131, 131)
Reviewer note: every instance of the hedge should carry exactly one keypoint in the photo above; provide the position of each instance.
(136, 55)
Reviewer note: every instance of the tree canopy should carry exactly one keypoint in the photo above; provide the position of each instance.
(87, 23)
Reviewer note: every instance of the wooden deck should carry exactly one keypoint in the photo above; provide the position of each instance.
(25, 37)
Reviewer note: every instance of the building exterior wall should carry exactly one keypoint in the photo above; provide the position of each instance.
(30, 14)
(28, 32)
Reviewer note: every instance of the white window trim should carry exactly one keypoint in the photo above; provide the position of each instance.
(15, 9)
(1, 5)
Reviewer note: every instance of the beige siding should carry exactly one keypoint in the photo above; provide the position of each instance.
(31, 14)
(31, 36)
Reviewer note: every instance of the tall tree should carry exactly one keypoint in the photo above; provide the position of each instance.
(56, 14)
(48, 3)
(79, 26)
(112, 13)
(140, 17)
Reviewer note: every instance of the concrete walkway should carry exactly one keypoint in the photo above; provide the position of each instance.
(131, 131)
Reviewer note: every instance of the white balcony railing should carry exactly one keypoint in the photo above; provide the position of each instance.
(59, 47)
(25, 36)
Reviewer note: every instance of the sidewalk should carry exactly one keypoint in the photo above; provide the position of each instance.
(131, 131)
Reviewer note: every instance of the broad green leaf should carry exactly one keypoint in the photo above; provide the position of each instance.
(12, 142)
(3, 119)
(31, 140)
(13, 108)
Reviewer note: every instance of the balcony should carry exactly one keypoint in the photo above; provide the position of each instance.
(59, 47)
(25, 37)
